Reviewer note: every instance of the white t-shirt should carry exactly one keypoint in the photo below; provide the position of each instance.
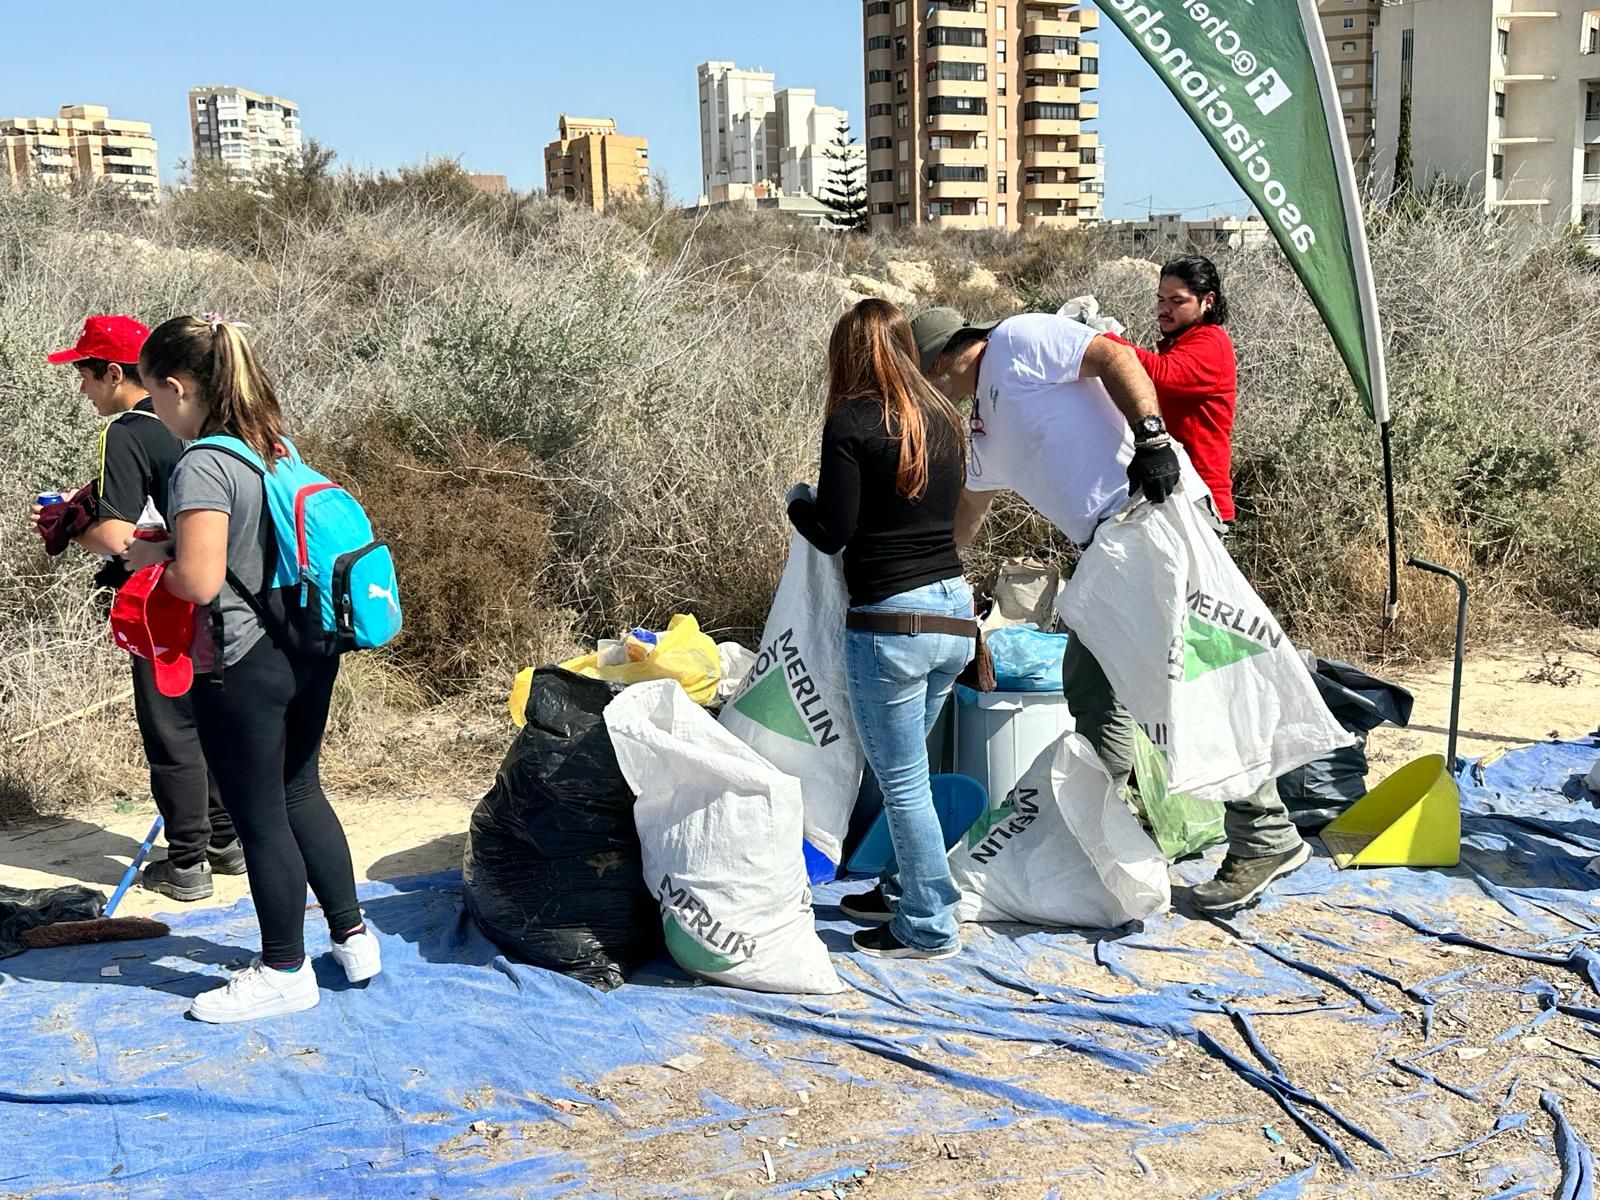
(1057, 440)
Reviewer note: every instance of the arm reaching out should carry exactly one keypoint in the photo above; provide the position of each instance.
(1117, 366)
(971, 511)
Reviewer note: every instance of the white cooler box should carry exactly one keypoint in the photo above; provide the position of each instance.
(999, 734)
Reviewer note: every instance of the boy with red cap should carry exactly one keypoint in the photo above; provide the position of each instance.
(136, 459)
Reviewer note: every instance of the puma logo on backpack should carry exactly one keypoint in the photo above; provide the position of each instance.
(333, 586)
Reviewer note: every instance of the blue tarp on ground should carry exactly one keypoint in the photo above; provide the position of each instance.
(402, 1087)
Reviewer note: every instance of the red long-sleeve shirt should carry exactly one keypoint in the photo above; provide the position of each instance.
(1197, 385)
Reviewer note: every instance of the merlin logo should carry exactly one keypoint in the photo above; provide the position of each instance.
(1004, 823)
(1270, 91)
(784, 697)
(697, 940)
(1216, 635)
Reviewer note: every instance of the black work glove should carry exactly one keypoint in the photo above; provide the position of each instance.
(1154, 469)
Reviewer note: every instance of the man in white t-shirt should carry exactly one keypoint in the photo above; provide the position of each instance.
(1067, 418)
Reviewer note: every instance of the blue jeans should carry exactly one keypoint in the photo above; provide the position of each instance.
(898, 684)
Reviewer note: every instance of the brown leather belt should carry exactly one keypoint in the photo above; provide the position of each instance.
(911, 622)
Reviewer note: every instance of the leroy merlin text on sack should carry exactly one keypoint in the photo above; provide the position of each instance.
(1262, 84)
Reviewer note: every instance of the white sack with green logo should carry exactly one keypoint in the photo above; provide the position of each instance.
(794, 710)
(1062, 850)
(1194, 654)
(720, 832)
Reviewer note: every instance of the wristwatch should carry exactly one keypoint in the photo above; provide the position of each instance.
(1147, 429)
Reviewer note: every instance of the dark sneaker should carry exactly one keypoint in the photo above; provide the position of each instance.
(1239, 881)
(880, 943)
(226, 860)
(180, 883)
(870, 908)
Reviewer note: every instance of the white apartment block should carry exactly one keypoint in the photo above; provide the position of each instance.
(1170, 235)
(1504, 98)
(752, 134)
(246, 131)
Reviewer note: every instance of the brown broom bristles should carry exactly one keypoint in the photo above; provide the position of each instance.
(84, 933)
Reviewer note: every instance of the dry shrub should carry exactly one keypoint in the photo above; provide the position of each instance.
(470, 531)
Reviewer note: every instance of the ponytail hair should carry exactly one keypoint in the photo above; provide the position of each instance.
(1199, 274)
(235, 391)
(872, 353)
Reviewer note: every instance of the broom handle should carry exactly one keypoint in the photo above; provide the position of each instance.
(73, 716)
(133, 869)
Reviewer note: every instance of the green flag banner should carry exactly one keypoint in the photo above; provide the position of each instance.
(1254, 76)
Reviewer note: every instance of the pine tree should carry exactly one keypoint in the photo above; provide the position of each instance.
(845, 194)
(1404, 185)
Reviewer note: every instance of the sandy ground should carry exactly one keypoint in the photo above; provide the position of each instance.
(1514, 696)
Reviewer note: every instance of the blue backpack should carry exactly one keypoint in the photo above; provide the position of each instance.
(333, 586)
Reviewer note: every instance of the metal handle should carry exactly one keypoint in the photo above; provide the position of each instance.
(1461, 645)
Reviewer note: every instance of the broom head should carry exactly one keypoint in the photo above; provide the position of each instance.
(85, 933)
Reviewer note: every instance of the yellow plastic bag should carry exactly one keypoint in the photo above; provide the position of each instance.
(682, 653)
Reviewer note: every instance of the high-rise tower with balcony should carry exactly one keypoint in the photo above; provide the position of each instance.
(976, 113)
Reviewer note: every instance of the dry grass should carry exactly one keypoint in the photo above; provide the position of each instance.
(568, 424)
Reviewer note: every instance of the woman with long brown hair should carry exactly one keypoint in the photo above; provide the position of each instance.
(893, 461)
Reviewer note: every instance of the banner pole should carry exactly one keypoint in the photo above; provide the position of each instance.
(1391, 605)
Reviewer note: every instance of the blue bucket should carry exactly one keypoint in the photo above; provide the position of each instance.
(957, 799)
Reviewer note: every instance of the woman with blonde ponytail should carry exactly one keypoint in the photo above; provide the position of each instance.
(261, 710)
(893, 461)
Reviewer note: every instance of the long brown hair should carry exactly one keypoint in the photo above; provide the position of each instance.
(872, 353)
(236, 392)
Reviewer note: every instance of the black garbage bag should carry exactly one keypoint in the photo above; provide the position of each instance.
(1322, 789)
(552, 869)
(22, 910)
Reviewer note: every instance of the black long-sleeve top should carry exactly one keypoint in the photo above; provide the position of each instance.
(891, 544)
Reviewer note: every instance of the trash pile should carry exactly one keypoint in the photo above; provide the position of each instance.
(667, 792)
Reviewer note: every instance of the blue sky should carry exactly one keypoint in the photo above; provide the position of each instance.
(484, 81)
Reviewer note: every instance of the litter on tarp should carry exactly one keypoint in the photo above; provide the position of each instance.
(1323, 788)
(680, 652)
(1063, 849)
(1026, 660)
(794, 710)
(552, 868)
(721, 835)
(1194, 654)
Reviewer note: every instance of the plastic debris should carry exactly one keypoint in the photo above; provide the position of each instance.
(1273, 1135)
(684, 1062)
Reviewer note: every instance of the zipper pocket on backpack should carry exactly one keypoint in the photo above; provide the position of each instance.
(344, 606)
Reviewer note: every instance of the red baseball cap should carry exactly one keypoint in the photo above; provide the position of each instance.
(150, 622)
(115, 339)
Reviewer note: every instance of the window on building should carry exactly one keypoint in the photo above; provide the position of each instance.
(1000, 16)
(878, 8)
(1059, 46)
(1049, 112)
(1000, 182)
(983, 208)
(1504, 41)
(1090, 66)
(983, 141)
(1000, 50)
(879, 43)
(880, 110)
(1000, 214)
(1089, 155)
(899, 83)
(1347, 72)
(900, 12)
(964, 72)
(1349, 22)
(946, 36)
(1000, 118)
(1000, 149)
(881, 177)
(1000, 82)
(902, 213)
(880, 143)
(899, 49)
(877, 77)
(1407, 59)
(1499, 166)
(1348, 48)
(903, 153)
(958, 106)
(951, 174)
(1347, 97)
(902, 115)
(905, 181)
(1499, 104)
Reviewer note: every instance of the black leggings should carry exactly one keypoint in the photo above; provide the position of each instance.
(262, 734)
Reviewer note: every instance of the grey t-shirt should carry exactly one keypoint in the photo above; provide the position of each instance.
(218, 482)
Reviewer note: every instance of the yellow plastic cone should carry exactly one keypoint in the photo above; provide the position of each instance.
(1411, 819)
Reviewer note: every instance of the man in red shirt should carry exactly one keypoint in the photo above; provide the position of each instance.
(1195, 371)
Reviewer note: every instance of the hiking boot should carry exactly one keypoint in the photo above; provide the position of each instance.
(879, 942)
(226, 860)
(1239, 881)
(180, 883)
(255, 992)
(869, 908)
(358, 955)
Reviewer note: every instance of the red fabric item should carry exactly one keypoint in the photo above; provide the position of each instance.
(60, 523)
(149, 621)
(113, 338)
(1197, 384)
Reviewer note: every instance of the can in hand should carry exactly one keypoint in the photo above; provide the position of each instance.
(46, 499)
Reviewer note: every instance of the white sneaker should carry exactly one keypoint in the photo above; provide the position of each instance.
(258, 991)
(359, 956)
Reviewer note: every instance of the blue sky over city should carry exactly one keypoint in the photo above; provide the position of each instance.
(484, 82)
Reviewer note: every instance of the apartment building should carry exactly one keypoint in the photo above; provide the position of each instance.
(1504, 97)
(976, 112)
(1349, 27)
(591, 163)
(248, 132)
(753, 133)
(83, 145)
(1167, 235)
